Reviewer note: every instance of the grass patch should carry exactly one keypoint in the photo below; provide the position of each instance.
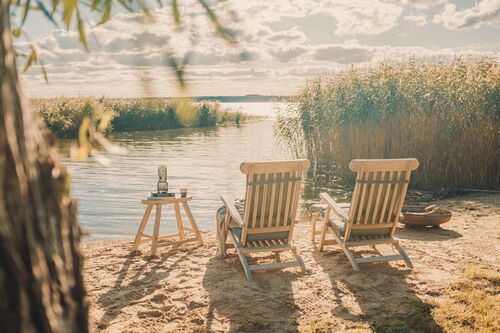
(64, 115)
(446, 114)
(472, 304)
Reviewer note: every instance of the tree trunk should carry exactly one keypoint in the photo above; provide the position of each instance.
(41, 285)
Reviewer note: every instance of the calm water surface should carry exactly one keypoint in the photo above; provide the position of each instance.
(206, 161)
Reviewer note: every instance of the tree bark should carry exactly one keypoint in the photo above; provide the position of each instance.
(41, 285)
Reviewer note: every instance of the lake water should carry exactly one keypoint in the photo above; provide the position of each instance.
(206, 161)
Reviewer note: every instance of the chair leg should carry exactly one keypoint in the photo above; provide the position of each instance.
(351, 258)
(314, 218)
(299, 259)
(323, 236)
(403, 253)
(244, 262)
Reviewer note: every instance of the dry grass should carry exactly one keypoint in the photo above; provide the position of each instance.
(445, 114)
(472, 304)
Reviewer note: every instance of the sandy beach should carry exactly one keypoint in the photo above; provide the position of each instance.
(188, 289)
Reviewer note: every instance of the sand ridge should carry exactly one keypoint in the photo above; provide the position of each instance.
(188, 289)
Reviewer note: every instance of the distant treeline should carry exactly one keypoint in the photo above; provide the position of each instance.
(446, 114)
(65, 115)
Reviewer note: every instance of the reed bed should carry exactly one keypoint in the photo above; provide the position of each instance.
(444, 113)
(64, 115)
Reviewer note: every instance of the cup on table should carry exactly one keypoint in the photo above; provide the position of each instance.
(184, 192)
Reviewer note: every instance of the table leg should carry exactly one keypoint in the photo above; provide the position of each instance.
(156, 230)
(142, 226)
(192, 222)
(180, 225)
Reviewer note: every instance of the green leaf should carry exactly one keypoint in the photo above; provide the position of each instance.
(81, 30)
(178, 69)
(31, 59)
(95, 4)
(221, 30)
(107, 11)
(44, 72)
(68, 8)
(175, 12)
(45, 12)
(55, 4)
(26, 10)
(16, 32)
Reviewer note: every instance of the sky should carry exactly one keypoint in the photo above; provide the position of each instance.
(281, 44)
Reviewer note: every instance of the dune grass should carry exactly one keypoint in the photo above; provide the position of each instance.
(64, 115)
(446, 114)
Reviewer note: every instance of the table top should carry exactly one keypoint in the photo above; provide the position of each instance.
(165, 200)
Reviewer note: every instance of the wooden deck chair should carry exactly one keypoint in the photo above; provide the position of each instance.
(373, 215)
(272, 195)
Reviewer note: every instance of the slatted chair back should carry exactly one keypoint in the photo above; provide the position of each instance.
(378, 196)
(272, 195)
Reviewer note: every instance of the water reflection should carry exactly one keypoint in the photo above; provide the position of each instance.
(206, 161)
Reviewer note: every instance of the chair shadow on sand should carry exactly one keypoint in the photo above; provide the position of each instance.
(428, 234)
(143, 282)
(379, 295)
(265, 304)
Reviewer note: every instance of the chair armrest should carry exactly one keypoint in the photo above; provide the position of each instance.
(327, 199)
(231, 209)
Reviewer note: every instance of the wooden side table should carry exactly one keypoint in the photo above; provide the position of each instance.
(180, 226)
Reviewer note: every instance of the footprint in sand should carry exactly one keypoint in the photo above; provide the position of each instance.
(158, 298)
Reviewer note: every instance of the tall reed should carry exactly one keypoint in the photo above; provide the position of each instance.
(446, 114)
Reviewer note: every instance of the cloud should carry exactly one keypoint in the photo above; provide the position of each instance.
(343, 54)
(276, 50)
(356, 17)
(287, 54)
(424, 4)
(485, 12)
(418, 19)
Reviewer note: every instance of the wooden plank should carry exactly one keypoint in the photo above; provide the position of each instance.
(274, 265)
(388, 191)
(264, 199)
(399, 205)
(288, 199)
(361, 204)
(370, 195)
(380, 258)
(178, 218)
(399, 164)
(280, 248)
(156, 230)
(266, 230)
(295, 203)
(376, 207)
(248, 198)
(273, 201)
(395, 193)
(372, 226)
(280, 201)
(142, 226)
(273, 166)
(255, 202)
(166, 200)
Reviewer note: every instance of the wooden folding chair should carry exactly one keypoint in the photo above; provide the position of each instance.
(374, 212)
(272, 195)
